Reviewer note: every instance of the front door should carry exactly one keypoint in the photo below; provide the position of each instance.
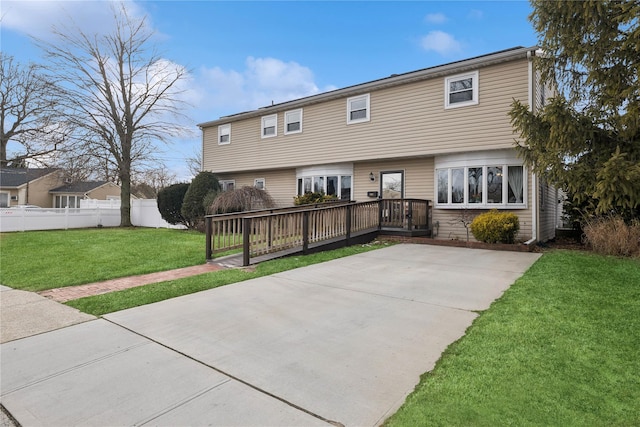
(392, 185)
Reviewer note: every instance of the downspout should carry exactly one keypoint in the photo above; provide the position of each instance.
(533, 187)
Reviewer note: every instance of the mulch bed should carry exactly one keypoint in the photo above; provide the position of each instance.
(557, 243)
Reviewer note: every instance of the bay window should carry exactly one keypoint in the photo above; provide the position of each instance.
(486, 186)
(332, 180)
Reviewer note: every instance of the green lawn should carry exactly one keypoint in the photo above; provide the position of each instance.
(39, 260)
(560, 348)
(133, 297)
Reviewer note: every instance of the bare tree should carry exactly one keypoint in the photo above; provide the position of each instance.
(194, 162)
(154, 180)
(119, 93)
(28, 110)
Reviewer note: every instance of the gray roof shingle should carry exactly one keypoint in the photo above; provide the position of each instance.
(15, 177)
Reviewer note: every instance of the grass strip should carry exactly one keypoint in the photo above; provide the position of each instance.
(560, 348)
(134, 297)
(40, 260)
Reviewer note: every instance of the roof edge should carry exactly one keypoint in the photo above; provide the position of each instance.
(393, 80)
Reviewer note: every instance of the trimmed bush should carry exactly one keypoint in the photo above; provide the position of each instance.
(611, 235)
(170, 203)
(193, 208)
(495, 227)
(311, 198)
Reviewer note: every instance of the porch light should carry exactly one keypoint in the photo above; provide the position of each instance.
(372, 177)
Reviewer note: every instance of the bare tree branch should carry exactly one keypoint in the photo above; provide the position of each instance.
(29, 107)
(119, 93)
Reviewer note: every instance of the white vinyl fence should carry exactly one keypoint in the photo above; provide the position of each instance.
(92, 213)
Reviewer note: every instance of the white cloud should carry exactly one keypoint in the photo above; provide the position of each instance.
(263, 81)
(475, 15)
(435, 18)
(38, 18)
(440, 42)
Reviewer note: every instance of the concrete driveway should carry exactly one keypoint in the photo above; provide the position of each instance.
(338, 343)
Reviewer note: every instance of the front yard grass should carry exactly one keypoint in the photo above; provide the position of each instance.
(40, 260)
(559, 348)
(147, 294)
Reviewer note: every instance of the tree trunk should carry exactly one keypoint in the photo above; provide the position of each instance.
(125, 195)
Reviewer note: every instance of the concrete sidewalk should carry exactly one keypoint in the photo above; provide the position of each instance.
(26, 313)
(338, 343)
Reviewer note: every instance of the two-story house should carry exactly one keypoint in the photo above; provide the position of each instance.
(442, 133)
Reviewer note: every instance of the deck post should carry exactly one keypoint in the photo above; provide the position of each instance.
(246, 236)
(348, 224)
(208, 232)
(305, 231)
(380, 208)
(410, 215)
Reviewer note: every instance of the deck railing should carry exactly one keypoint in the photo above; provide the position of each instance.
(299, 228)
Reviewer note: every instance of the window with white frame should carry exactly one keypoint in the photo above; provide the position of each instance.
(67, 201)
(259, 183)
(227, 184)
(358, 109)
(461, 90)
(269, 126)
(333, 180)
(293, 122)
(481, 186)
(224, 134)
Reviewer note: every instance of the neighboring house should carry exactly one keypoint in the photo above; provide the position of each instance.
(441, 133)
(69, 195)
(47, 188)
(28, 186)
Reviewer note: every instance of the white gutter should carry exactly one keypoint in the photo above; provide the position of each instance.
(534, 187)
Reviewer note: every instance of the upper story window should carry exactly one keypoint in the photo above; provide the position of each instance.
(293, 121)
(461, 90)
(224, 134)
(269, 126)
(358, 109)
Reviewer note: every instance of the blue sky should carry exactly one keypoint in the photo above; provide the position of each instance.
(243, 55)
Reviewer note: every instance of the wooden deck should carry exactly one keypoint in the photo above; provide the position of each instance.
(275, 233)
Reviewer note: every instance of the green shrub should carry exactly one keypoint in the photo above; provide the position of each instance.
(315, 197)
(495, 227)
(193, 208)
(611, 235)
(170, 203)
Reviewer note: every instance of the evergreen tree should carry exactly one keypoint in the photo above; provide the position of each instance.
(199, 191)
(587, 139)
(170, 203)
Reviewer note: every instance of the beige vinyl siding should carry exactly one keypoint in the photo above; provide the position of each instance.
(407, 120)
(418, 177)
(449, 226)
(101, 193)
(280, 184)
(37, 192)
(548, 212)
